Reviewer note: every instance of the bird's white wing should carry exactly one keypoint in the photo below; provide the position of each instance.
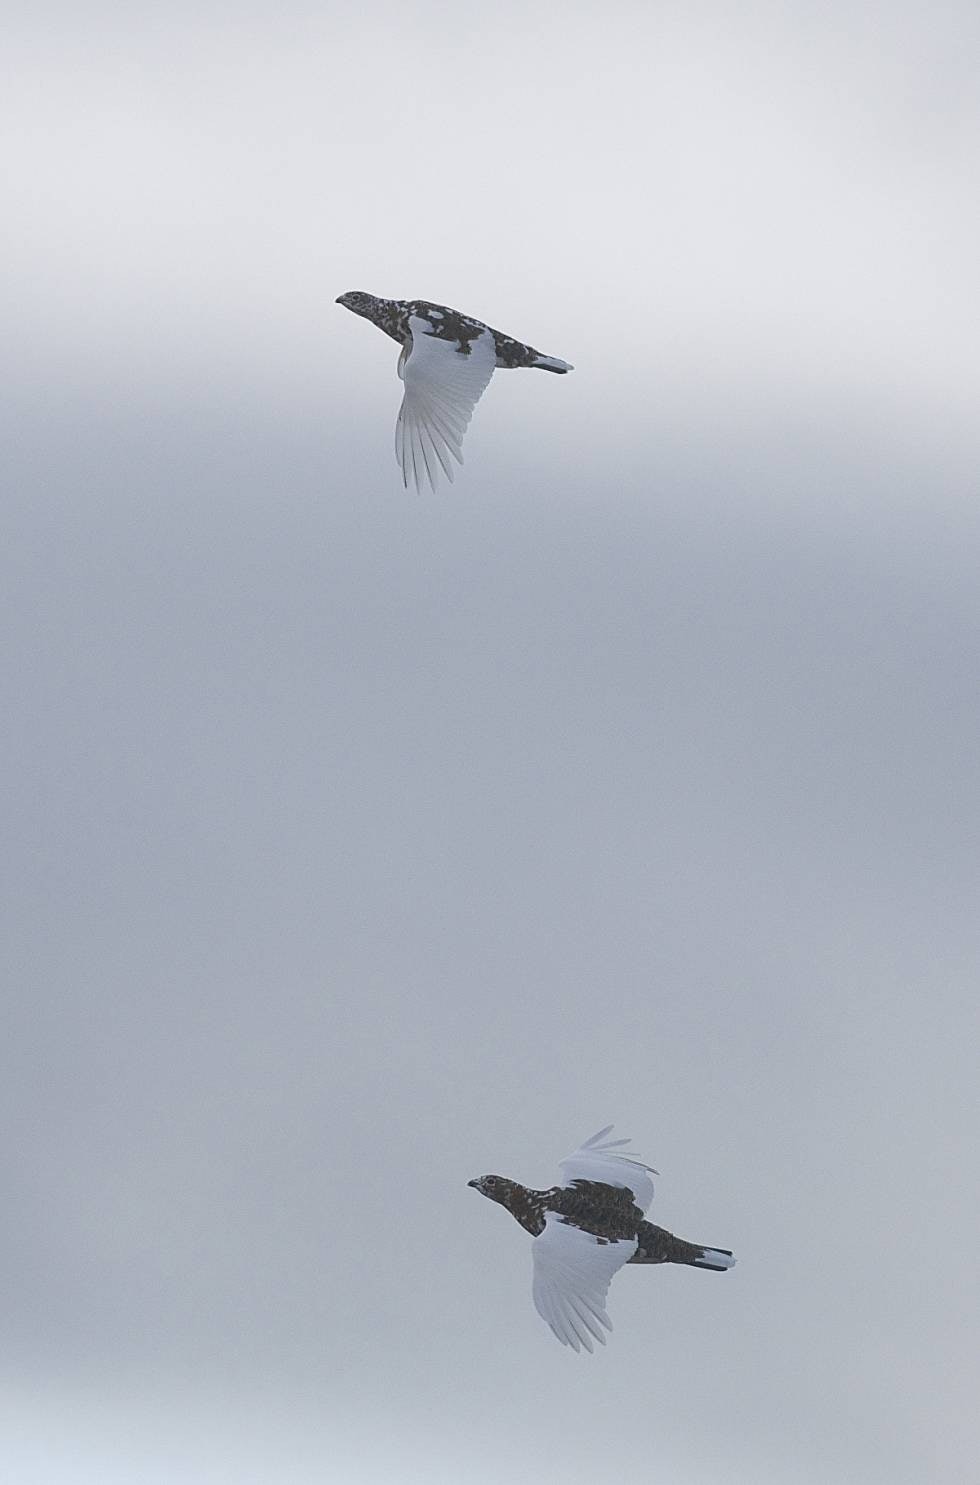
(443, 384)
(602, 1159)
(572, 1273)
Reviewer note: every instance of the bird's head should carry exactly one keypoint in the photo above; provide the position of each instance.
(358, 302)
(493, 1186)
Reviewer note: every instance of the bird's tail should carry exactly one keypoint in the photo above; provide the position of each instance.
(714, 1258)
(552, 363)
(657, 1245)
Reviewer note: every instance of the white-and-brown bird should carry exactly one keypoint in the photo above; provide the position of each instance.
(586, 1229)
(446, 362)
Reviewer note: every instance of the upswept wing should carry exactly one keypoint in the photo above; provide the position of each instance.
(572, 1273)
(601, 1159)
(443, 384)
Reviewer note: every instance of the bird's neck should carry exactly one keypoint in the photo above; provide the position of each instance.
(389, 315)
(525, 1205)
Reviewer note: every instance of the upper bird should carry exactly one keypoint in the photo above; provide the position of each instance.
(585, 1230)
(446, 362)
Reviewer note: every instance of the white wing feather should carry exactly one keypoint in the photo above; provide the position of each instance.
(443, 384)
(599, 1159)
(572, 1274)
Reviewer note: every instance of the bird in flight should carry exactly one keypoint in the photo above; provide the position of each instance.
(446, 362)
(586, 1229)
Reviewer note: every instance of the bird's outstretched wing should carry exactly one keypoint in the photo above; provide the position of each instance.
(601, 1159)
(572, 1273)
(443, 383)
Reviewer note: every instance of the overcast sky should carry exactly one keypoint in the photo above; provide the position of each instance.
(358, 843)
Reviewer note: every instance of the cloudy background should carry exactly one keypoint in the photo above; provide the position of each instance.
(359, 843)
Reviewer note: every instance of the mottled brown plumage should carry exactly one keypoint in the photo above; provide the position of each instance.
(394, 317)
(608, 1212)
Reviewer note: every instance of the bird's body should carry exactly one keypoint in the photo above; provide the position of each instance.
(394, 317)
(446, 361)
(586, 1230)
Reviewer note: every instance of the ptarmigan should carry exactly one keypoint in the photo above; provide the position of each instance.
(446, 362)
(586, 1229)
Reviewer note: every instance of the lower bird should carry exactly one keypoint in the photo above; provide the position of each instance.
(446, 363)
(586, 1229)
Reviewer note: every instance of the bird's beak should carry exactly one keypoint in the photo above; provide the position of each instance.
(472, 1183)
(339, 299)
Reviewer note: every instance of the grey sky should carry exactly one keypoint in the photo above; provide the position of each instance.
(358, 844)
